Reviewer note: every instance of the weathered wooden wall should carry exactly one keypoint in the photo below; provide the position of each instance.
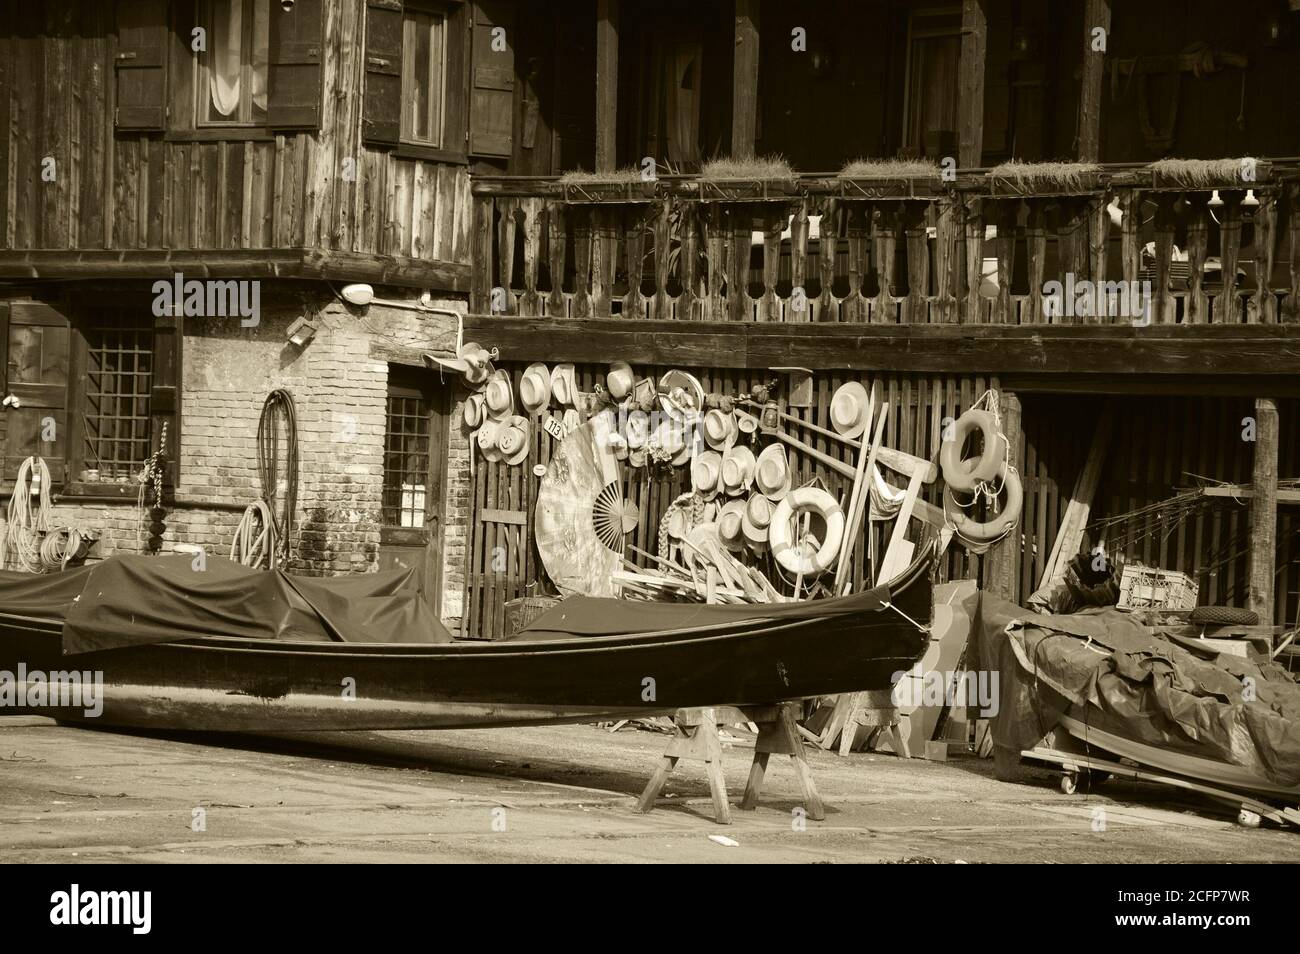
(149, 191)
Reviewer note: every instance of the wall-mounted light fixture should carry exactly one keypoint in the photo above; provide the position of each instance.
(358, 294)
(301, 331)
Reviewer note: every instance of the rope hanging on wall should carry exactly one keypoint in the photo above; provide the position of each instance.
(26, 522)
(277, 469)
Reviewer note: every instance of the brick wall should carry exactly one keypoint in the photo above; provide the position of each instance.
(339, 384)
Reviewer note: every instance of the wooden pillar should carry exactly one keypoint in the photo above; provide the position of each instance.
(1002, 565)
(1263, 512)
(1096, 14)
(970, 79)
(606, 84)
(744, 80)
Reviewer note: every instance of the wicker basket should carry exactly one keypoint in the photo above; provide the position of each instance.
(522, 611)
(1145, 587)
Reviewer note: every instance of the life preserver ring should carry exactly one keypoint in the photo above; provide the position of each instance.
(996, 526)
(965, 475)
(787, 553)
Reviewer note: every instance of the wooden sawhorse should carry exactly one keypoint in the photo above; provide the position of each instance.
(696, 738)
(871, 707)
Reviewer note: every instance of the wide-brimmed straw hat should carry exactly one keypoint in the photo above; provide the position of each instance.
(564, 384)
(513, 439)
(849, 409)
(499, 396)
(486, 437)
(731, 521)
(746, 423)
(757, 520)
(472, 360)
(472, 411)
(737, 469)
(706, 474)
(620, 380)
(535, 388)
(719, 429)
(772, 472)
(637, 429)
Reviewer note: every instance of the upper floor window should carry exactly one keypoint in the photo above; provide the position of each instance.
(232, 71)
(424, 75)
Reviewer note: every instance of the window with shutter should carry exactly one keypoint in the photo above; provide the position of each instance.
(415, 84)
(294, 66)
(492, 93)
(232, 71)
(139, 65)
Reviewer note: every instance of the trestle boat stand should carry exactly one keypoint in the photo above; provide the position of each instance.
(697, 739)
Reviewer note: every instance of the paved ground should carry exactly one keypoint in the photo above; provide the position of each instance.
(564, 794)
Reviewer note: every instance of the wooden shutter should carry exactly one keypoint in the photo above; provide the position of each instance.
(35, 345)
(294, 81)
(381, 112)
(165, 393)
(140, 64)
(492, 94)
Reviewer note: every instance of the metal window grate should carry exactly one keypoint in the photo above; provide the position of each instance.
(119, 376)
(406, 460)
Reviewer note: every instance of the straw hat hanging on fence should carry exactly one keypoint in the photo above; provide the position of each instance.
(706, 474)
(513, 440)
(731, 525)
(564, 384)
(472, 412)
(500, 396)
(535, 388)
(772, 472)
(620, 380)
(719, 429)
(849, 409)
(737, 470)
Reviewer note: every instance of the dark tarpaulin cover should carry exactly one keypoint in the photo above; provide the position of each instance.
(1143, 687)
(136, 600)
(599, 616)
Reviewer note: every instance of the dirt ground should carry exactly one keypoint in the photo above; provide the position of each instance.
(555, 794)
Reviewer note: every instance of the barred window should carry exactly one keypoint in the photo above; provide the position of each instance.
(406, 458)
(119, 376)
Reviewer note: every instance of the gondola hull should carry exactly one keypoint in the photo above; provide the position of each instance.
(252, 685)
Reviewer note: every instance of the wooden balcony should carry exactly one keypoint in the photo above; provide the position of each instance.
(920, 251)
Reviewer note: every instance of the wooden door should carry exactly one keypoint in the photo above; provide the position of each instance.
(415, 473)
(35, 360)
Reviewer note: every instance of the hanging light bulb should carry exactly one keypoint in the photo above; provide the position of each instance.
(1250, 202)
(1215, 201)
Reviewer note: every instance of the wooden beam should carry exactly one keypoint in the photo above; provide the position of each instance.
(744, 80)
(1096, 15)
(607, 12)
(1247, 492)
(88, 264)
(970, 83)
(1263, 512)
(1086, 351)
(1002, 565)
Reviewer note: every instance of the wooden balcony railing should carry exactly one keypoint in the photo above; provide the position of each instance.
(905, 251)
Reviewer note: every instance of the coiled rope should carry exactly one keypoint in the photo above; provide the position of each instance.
(26, 522)
(277, 469)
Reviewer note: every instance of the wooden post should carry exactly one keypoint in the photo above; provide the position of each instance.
(1263, 512)
(970, 79)
(744, 81)
(606, 84)
(1096, 15)
(1002, 565)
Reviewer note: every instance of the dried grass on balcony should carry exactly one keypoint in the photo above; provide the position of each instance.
(890, 169)
(1059, 175)
(617, 177)
(759, 167)
(1198, 172)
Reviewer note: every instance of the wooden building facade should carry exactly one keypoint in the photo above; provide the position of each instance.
(432, 148)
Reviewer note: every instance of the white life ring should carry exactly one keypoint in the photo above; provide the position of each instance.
(965, 475)
(997, 525)
(793, 557)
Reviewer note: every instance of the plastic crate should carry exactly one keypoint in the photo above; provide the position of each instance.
(1145, 587)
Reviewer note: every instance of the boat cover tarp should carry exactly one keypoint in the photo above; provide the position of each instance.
(1141, 686)
(137, 600)
(599, 616)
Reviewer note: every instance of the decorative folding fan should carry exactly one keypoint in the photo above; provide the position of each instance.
(581, 514)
